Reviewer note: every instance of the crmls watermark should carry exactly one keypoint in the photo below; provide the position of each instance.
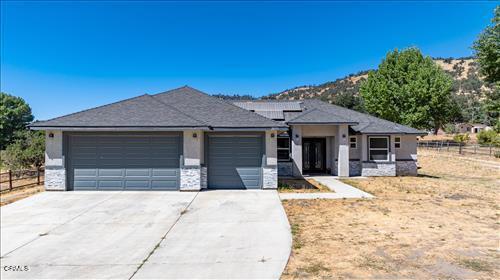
(16, 268)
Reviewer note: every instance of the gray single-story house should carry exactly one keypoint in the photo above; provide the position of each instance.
(184, 139)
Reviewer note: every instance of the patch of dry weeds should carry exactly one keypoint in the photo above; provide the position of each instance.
(301, 186)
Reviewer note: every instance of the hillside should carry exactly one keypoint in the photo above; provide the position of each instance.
(464, 72)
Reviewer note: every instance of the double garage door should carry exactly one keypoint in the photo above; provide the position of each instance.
(152, 162)
(124, 162)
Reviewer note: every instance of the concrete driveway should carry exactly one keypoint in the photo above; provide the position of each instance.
(123, 235)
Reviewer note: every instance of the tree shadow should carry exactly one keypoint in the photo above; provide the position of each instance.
(428, 176)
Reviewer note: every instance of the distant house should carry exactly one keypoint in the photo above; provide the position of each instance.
(477, 127)
(464, 128)
(472, 128)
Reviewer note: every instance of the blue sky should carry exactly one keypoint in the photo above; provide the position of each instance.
(62, 57)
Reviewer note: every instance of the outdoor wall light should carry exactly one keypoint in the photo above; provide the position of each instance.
(343, 135)
(195, 135)
(51, 135)
(272, 135)
(296, 136)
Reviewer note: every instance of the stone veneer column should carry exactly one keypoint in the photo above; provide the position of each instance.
(270, 170)
(55, 171)
(343, 157)
(191, 169)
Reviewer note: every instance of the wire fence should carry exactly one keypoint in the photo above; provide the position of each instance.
(15, 179)
(459, 148)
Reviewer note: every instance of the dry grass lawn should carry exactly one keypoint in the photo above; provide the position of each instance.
(443, 224)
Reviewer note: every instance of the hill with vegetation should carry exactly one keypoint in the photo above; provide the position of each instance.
(469, 88)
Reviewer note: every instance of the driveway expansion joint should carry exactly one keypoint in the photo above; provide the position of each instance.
(183, 211)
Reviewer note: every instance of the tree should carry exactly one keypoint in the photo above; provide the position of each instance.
(487, 48)
(488, 137)
(461, 138)
(26, 151)
(410, 89)
(15, 114)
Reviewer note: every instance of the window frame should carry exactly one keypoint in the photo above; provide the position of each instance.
(289, 149)
(388, 149)
(355, 142)
(397, 143)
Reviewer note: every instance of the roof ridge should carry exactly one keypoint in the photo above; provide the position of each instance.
(305, 112)
(170, 106)
(174, 89)
(368, 116)
(220, 101)
(98, 107)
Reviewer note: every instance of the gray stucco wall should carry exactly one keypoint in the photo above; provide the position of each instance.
(408, 148)
(285, 169)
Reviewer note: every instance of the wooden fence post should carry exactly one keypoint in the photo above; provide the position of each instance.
(490, 149)
(38, 176)
(459, 148)
(475, 147)
(448, 146)
(10, 179)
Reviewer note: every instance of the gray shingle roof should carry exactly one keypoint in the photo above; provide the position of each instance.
(189, 108)
(140, 111)
(273, 115)
(216, 112)
(269, 105)
(182, 107)
(366, 123)
(317, 116)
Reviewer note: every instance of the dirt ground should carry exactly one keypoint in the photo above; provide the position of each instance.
(443, 224)
(444, 137)
(301, 186)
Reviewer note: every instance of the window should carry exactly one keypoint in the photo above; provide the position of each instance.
(283, 148)
(353, 142)
(379, 148)
(397, 142)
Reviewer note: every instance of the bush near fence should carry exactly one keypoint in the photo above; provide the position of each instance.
(15, 179)
(452, 146)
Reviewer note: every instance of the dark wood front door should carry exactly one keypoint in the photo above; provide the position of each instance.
(313, 155)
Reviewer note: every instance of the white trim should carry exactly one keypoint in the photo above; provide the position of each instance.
(379, 149)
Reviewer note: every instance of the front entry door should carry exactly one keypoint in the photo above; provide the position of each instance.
(313, 155)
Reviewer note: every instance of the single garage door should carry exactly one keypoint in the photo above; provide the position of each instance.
(124, 162)
(234, 162)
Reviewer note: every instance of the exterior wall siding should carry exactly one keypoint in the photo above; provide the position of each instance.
(378, 169)
(55, 170)
(406, 168)
(190, 178)
(270, 177)
(285, 168)
(204, 177)
(55, 179)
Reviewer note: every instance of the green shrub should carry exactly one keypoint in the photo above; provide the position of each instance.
(461, 138)
(488, 137)
(27, 150)
(450, 128)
